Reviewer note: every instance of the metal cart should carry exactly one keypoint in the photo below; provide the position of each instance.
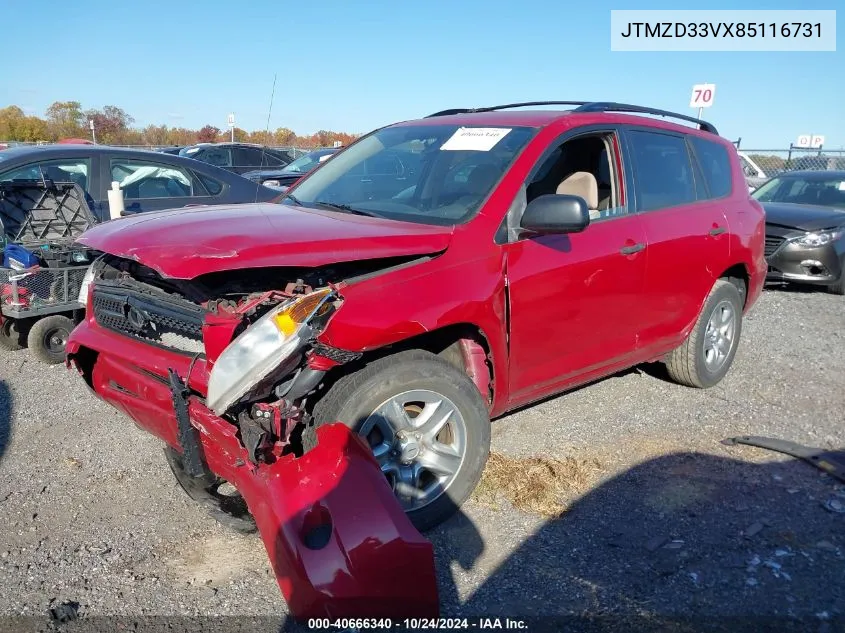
(39, 298)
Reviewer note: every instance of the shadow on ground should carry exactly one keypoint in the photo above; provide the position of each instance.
(687, 540)
(5, 417)
(683, 542)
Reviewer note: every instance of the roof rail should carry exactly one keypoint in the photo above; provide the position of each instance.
(588, 106)
(609, 106)
(505, 107)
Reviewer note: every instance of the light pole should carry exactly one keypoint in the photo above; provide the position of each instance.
(93, 134)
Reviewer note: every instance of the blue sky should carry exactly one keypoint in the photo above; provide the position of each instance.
(354, 66)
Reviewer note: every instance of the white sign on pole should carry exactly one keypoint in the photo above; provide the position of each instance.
(231, 120)
(702, 95)
(91, 123)
(804, 141)
(817, 141)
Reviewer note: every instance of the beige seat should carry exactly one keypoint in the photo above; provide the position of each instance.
(585, 185)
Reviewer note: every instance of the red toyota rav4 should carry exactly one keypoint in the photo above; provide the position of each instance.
(433, 275)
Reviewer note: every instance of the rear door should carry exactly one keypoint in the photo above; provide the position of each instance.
(687, 231)
(149, 185)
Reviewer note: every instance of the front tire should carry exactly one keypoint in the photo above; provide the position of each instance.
(707, 354)
(426, 423)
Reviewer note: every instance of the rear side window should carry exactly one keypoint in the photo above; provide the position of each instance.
(140, 179)
(715, 165)
(663, 175)
(212, 186)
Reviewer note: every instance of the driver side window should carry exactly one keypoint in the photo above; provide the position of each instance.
(584, 166)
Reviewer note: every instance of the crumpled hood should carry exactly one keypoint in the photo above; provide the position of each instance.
(191, 241)
(803, 217)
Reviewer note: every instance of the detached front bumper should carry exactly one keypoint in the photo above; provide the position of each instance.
(807, 264)
(338, 541)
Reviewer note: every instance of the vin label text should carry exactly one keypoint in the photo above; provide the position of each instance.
(723, 30)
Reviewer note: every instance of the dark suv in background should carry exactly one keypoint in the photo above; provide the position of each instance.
(238, 157)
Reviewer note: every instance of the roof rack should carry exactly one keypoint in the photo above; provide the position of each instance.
(589, 106)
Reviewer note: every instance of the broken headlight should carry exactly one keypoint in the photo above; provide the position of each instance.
(264, 347)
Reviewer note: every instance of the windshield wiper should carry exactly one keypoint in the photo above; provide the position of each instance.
(293, 199)
(347, 209)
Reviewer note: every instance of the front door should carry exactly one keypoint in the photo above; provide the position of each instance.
(576, 299)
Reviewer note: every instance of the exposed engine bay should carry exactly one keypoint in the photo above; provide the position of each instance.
(255, 329)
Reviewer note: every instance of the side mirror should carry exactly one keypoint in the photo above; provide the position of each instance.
(556, 213)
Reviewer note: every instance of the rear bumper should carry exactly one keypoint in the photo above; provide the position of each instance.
(338, 541)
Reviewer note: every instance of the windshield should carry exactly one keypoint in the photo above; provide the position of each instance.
(823, 190)
(431, 174)
(309, 161)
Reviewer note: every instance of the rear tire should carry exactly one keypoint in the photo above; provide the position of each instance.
(704, 359)
(11, 336)
(47, 339)
(426, 422)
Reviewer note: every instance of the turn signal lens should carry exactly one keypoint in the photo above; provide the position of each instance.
(301, 310)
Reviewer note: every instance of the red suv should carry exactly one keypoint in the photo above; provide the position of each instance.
(433, 275)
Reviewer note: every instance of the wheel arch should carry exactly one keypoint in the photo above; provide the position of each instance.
(463, 345)
(739, 276)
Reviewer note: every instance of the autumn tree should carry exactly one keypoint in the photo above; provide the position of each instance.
(181, 136)
(154, 135)
(113, 125)
(15, 125)
(284, 136)
(110, 124)
(208, 134)
(65, 120)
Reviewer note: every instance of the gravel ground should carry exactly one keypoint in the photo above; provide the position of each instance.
(671, 525)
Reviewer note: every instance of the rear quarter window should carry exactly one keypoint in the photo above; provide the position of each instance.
(212, 186)
(715, 166)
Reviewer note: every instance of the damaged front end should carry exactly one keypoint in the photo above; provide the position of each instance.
(248, 360)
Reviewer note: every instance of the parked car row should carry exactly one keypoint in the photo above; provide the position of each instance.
(150, 181)
(292, 172)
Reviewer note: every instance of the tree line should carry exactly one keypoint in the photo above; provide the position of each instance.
(113, 126)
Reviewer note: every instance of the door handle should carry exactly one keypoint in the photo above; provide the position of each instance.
(717, 230)
(630, 250)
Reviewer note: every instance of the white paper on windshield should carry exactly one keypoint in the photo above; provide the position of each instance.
(842, 186)
(479, 139)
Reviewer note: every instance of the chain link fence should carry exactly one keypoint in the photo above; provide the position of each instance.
(765, 163)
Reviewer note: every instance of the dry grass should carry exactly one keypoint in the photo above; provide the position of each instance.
(535, 484)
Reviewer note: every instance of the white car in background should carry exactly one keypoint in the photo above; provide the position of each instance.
(754, 176)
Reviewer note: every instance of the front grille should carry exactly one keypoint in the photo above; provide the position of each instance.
(772, 244)
(168, 324)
